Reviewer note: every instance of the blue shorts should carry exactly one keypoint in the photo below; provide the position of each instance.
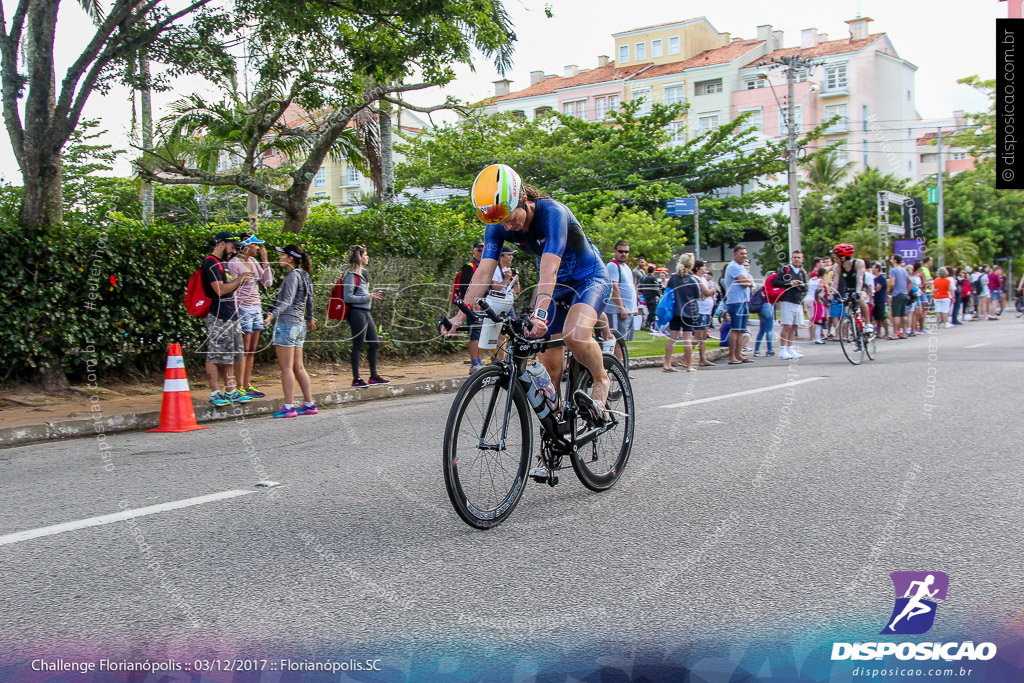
(289, 334)
(703, 321)
(836, 310)
(251, 318)
(593, 292)
(996, 295)
(738, 315)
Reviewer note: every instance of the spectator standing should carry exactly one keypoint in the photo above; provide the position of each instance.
(623, 303)
(462, 281)
(639, 272)
(900, 294)
(225, 350)
(794, 279)
(704, 309)
(356, 291)
(995, 291)
(926, 286)
(651, 291)
(766, 321)
(292, 314)
(915, 309)
(974, 279)
(688, 290)
(738, 284)
(504, 273)
(879, 294)
(941, 287)
(251, 259)
(818, 314)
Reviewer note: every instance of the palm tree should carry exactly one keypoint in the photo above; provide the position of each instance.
(204, 131)
(954, 250)
(825, 172)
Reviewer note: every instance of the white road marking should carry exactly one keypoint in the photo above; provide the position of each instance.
(119, 516)
(742, 393)
(974, 346)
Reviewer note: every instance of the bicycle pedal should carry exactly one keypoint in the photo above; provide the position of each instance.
(616, 412)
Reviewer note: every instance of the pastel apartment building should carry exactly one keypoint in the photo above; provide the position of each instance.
(860, 78)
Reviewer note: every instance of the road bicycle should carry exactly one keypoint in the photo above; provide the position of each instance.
(855, 342)
(489, 438)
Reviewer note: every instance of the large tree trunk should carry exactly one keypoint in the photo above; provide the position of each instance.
(252, 208)
(387, 161)
(146, 105)
(295, 216)
(40, 167)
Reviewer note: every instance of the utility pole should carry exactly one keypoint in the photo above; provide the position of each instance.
(941, 225)
(792, 65)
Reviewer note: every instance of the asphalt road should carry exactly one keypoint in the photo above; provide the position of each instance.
(741, 517)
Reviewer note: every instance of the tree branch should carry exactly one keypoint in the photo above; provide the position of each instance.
(447, 104)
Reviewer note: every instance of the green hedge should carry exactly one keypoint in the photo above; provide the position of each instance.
(109, 298)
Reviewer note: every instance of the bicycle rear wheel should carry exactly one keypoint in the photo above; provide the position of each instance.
(850, 340)
(485, 475)
(600, 463)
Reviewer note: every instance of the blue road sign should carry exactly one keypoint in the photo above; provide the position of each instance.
(681, 206)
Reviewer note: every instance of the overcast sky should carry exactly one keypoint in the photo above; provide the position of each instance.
(946, 40)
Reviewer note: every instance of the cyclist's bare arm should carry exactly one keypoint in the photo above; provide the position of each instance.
(478, 287)
(546, 279)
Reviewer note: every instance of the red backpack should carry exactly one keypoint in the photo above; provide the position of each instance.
(772, 292)
(458, 281)
(197, 301)
(337, 309)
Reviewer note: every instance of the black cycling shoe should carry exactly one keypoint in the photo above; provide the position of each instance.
(592, 411)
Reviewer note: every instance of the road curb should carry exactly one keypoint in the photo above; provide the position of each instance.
(128, 422)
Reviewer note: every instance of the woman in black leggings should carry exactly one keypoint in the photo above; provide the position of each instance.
(356, 292)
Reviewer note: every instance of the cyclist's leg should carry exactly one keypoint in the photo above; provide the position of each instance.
(579, 337)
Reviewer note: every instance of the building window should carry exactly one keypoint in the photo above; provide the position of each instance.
(800, 75)
(753, 82)
(644, 96)
(708, 87)
(675, 94)
(673, 45)
(623, 53)
(706, 122)
(541, 112)
(908, 96)
(641, 51)
(519, 113)
(756, 119)
(929, 158)
(843, 153)
(605, 104)
(351, 175)
(319, 197)
(835, 77)
(798, 120)
(320, 179)
(958, 156)
(677, 131)
(842, 111)
(577, 108)
(656, 48)
(864, 117)
(865, 143)
(353, 197)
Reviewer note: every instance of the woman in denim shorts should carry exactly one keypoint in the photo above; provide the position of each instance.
(293, 315)
(252, 259)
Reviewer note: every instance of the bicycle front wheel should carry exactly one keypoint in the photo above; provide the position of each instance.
(870, 348)
(850, 340)
(600, 463)
(486, 456)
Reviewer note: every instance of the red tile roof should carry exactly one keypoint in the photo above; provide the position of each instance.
(549, 85)
(829, 47)
(718, 55)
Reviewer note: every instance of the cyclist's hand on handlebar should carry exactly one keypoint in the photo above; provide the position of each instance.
(455, 321)
(539, 329)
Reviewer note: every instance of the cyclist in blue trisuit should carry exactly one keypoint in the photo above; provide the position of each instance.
(570, 267)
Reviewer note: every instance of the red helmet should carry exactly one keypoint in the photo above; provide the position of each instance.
(843, 250)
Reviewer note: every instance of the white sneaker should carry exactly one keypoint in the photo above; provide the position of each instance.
(869, 328)
(785, 355)
(793, 353)
(539, 471)
(818, 341)
(947, 325)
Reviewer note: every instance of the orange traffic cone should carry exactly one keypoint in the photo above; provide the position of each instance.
(176, 413)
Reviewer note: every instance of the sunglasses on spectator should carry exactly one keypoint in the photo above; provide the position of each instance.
(622, 251)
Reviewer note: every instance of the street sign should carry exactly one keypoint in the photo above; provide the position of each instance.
(681, 206)
(933, 195)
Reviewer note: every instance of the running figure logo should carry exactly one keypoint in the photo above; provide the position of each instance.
(917, 594)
